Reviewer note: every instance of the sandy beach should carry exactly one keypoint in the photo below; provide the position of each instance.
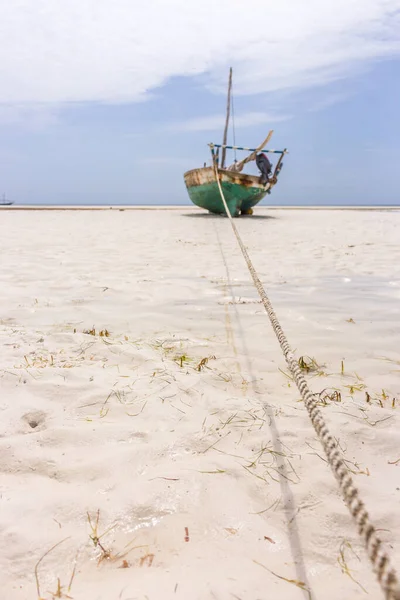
(151, 437)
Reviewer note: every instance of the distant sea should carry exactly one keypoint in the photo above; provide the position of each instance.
(189, 204)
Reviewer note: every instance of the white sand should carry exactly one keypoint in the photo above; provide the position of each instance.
(118, 425)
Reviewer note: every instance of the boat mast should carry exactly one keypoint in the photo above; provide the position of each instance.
(228, 110)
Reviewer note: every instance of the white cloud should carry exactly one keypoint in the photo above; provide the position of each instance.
(329, 100)
(118, 50)
(216, 122)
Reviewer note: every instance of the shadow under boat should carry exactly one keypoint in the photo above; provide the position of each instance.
(211, 216)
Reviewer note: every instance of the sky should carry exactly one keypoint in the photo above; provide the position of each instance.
(111, 101)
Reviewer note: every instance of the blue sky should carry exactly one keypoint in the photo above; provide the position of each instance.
(112, 105)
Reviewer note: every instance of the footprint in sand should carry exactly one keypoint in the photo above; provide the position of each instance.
(35, 420)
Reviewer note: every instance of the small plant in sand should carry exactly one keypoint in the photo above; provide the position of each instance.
(61, 590)
(180, 360)
(327, 396)
(310, 365)
(96, 537)
(344, 550)
(203, 363)
(382, 399)
(307, 364)
(106, 553)
(184, 359)
(355, 387)
(90, 331)
(44, 360)
(102, 332)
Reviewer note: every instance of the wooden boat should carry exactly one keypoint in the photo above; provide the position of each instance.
(5, 202)
(242, 191)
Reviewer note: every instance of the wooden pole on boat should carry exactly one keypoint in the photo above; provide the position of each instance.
(278, 164)
(239, 165)
(228, 110)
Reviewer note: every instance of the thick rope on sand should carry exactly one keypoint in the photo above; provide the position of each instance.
(385, 573)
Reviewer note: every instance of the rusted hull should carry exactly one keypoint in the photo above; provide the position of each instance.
(241, 191)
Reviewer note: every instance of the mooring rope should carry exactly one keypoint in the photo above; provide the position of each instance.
(386, 574)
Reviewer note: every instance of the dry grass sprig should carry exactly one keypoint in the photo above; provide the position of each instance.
(296, 582)
(96, 537)
(59, 586)
(345, 545)
(308, 364)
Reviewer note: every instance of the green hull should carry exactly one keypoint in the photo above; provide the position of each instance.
(241, 191)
